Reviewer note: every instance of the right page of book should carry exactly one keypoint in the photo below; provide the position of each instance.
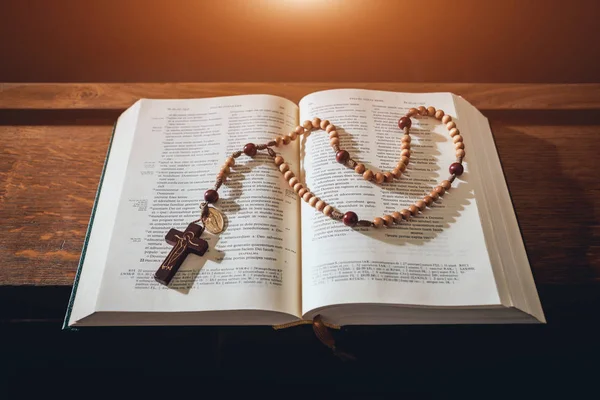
(439, 258)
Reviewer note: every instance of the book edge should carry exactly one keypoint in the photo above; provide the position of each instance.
(541, 318)
(87, 237)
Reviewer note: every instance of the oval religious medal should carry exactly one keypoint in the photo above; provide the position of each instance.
(214, 222)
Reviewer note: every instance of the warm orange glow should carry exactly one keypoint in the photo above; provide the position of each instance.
(299, 40)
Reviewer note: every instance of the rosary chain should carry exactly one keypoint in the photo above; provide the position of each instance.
(343, 157)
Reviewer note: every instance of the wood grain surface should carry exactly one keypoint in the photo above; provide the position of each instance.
(118, 96)
(54, 138)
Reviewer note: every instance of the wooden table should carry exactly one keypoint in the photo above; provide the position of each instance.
(54, 139)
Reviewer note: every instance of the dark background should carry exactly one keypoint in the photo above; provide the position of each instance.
(300, 40)
(296, 40)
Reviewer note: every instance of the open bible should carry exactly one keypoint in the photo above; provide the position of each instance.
(279, 260)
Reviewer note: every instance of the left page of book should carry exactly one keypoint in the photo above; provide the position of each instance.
(178, 148)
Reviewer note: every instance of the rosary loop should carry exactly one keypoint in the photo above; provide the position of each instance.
(349, 218)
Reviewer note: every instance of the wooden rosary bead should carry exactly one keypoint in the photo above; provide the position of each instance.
(302, 192)
(457, 138)
(285, 140)
(211, 196)
(387, 220)
(414, 210)
(446, 184)
(422, 110)
(333, 134)
(379, 178)
(460, 153)
(287, 175)
(327, 210)
(250, 149)
(453, 132)
(313, 201)
(456, 169)
(324, 124)
(397, 173)
(307, 196)
(405, 153)
(404, 122)
(440, 190)
(299, 130)
(397, 217)
(405, 146)
(451, 125)
(439, 114)
(350, 219)
(405, 214)
(459, 145)
(330, 128)
(431, 111)
(307, 125)
(388, 177)
(284, 168)
(404, 160)
(342, 156)
(401, 166)
(406, 139)
(360, 168)
(293, 181)
(434, 195)
(334, 141)
(278, 160)
(378, 222)
(230, 161)
(421, 205)
(446, 118)
(428, 199)
(278, 141)
(320, 205)
(316, 123)
(297, 187)
(225, 169)
(292, 135)
(412, 112)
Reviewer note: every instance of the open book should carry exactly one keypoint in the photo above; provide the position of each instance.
(279, 261)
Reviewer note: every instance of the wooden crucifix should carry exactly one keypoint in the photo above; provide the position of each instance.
(183, 243)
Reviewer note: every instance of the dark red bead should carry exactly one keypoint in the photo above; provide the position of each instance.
(211, 196)
(456, 169)
(350, 218)
(250, 149)
(404, 122)
(342, 156)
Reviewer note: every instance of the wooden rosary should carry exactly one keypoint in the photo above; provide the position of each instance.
(189, 241)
